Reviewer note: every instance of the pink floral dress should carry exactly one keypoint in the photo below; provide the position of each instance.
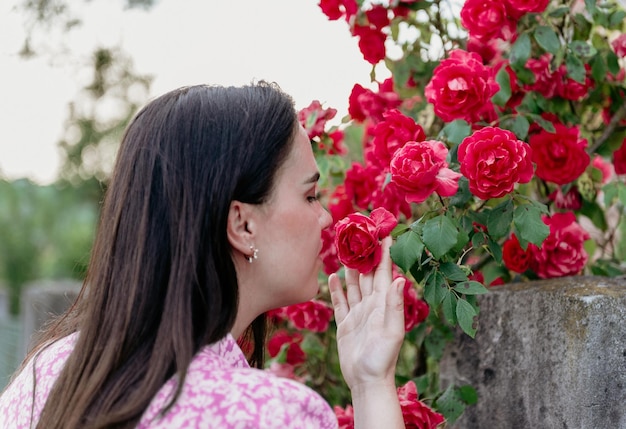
(220, 391)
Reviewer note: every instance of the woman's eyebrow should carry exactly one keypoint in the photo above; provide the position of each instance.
(312, 179)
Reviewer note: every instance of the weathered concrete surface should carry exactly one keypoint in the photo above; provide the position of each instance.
(548, 354)
(43, 300)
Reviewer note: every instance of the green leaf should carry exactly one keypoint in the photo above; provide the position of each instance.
(463, 195)
(612, 62)
(616, 20)
(439, 235)
(435, 343)
(504, 94)
(435, 289)
(559, 12)
(468, 394)
(610, 191)
(529, 226)
(598, 68)
(595, 213)
(495, 250)
(457, 130)
(520, 52)
(575, 68)
(499, 219)
(453, 272)
(471, 288)
(312, 346)
(543, 123)
(407, 250)
(450, 405)
(519, 125)
(547, 39)
(582, 50)
(449, 308)
(465, 314)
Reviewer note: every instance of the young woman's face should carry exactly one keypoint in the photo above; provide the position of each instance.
(290, 241)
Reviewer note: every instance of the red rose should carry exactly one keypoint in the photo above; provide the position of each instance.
(391, 134)
(329, 251)
(461, 87)
(518, 8)
(570, 89)
(340, 203)
(560, 156)
(514, 257)
(345, 417)
(311, 315)
(415, 309)
(487, 19)
(546, 81)
(294, 355)
(366, 104)
(313, 118)
(619, 45)
(378, 16)
(335, 9)
(416, 414)
(360, 183)
(603, 166)
(570, 201)
(358, 238)
(391, 197)
(494, 160)
(562, 252)
(420, 168)
(619, 159)
(371, 43)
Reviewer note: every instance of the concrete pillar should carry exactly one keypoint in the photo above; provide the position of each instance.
(548, 354)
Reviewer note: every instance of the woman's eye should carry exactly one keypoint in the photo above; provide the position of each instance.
(311, 198)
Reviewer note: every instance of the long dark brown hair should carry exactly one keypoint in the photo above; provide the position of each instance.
(161, 281)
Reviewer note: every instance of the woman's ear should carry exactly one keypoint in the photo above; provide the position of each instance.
(240, 227)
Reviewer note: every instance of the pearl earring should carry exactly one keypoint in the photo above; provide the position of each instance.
(255, 254)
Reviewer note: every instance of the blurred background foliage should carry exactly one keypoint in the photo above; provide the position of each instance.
(46, 232)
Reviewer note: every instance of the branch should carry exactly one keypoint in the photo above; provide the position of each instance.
(618, 116)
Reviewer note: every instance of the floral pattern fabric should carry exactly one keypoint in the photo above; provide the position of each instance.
(220, 391)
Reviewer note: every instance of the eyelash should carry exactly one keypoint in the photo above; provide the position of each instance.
(313, 198)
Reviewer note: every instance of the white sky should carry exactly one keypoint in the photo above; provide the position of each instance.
(180, 43)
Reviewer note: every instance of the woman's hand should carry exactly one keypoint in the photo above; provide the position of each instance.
(370, 330)
(370, 323)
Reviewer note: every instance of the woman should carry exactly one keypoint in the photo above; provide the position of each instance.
(210, 220)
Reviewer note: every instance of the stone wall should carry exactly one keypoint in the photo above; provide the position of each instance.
(548, 354)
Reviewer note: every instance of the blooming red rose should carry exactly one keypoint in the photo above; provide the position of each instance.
(313, 118)
(345, 417)
(546, 81)
(378, 16)
(366, 104)
(335, 9)
(371, 43)
(415, 309)
(487, 19)
(562, 252)
(519, 8)
(312, 315)
(358, 238)
(390, 196)
(570, 201)
(420, 168)
(416, 414)
(570, 89)
(461, 87)
(340, 203)
(494, 160)
(619, 45)
(294, 354)
(329, 251)
(360, 184)
(514, 257)
(619, 159)
(337, 147)
(560, 156)
(391, 134)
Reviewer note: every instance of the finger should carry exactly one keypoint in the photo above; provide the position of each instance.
(367, 284)
(338, 298)
(394, 314)
(353, 290)
(382, 275)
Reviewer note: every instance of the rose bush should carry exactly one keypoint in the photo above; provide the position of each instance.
(490, 142)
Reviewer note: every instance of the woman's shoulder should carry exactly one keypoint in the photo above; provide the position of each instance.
(16, 402)
(226, 396)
